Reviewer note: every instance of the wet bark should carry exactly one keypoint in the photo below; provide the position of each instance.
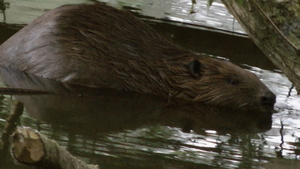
(33, 148)
(274, 26)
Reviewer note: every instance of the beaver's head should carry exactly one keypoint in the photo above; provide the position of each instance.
(220, 82)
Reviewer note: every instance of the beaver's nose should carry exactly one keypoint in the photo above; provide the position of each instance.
(269, 99)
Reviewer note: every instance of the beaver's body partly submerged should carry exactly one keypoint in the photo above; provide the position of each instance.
(103, 47)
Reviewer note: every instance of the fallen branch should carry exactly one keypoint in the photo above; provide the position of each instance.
(11, 125)
(18, 91)
(29, 147)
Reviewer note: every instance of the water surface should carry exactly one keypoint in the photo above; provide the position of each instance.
(129, 136)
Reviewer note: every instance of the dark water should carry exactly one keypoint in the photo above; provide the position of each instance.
(125, 130)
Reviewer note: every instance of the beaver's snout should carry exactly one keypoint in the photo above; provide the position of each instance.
(268, 100)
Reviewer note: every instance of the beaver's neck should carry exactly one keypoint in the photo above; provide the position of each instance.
(167, 72)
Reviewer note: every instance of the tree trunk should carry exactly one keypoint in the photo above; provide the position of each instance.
(274, 26)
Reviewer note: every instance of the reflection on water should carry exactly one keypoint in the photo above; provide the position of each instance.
(131, 131)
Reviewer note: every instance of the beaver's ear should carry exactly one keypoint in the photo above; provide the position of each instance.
(195, 68)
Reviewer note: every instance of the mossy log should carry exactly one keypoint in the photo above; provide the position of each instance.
(274, 26)
(29, 147)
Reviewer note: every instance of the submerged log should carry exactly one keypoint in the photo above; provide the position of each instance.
(274, 26)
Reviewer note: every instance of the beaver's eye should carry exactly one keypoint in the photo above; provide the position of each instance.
(233, 81)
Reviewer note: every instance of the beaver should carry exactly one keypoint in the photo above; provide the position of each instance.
(98, 46)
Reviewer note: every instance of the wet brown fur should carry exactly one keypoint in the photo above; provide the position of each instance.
(100, 46)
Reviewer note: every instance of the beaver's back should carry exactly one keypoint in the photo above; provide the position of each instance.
(77, 44)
